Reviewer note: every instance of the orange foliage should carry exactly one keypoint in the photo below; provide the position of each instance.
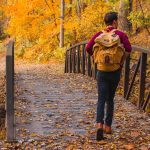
(35, 25)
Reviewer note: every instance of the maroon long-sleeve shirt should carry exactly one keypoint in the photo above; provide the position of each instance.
(123, 39)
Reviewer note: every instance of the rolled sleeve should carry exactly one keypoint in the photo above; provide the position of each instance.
(126, 43)
(90, 44)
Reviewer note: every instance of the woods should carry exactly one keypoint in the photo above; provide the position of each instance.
(40, 27)
(54, 97)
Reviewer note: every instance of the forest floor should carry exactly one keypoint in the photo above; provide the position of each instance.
(57, 111)
(2, 95)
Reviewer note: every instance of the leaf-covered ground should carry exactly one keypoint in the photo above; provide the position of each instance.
(56, 111)
(2, 105)
(2, 95)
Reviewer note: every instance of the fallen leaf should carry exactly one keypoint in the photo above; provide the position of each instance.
(102, 142)
(135, 133)
(129, 147)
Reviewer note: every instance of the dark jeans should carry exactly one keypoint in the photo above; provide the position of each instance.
(107, 83)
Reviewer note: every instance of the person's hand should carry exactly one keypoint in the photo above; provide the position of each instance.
(121, 65)
(122, 62)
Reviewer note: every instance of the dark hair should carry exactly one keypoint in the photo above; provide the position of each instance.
(110, 17)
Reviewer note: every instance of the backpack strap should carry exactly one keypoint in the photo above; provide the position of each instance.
(103, 31)
(113, 30)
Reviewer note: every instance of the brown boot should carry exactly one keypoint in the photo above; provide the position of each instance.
(99, 125)
(99, 134)
(107, 129)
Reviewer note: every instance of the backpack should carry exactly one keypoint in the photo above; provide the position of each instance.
(108, 51)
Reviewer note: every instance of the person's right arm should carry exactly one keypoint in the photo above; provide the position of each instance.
(90, 44)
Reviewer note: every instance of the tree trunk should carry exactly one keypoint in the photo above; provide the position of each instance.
(62, 24)
(78, 9)
(70, 9)
(125, 9)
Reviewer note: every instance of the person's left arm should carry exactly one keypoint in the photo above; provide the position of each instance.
(127, 46)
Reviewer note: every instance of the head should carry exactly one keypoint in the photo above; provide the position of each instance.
(111, 19)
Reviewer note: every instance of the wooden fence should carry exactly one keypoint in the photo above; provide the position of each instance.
(78, 61)
(10, 131)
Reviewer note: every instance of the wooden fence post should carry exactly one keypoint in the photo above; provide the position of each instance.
(78, 59)
(66, 65)
(95, 70)
(10, 130)
(133, 79)
(89, 66)
(74, 59)
(146, 101)
(67, 62)
(142, 79)
(83, 59)
(126, 76)
(70, 61)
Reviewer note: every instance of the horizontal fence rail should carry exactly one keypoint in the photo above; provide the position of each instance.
(78, 61)
(10, 131)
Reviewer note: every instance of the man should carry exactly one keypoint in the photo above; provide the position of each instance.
(107, 81)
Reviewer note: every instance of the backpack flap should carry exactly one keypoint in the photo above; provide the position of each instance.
(108, 39)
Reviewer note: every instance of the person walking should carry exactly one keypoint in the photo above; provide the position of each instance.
(109, 48)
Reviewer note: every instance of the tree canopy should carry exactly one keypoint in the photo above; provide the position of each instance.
(35, 24)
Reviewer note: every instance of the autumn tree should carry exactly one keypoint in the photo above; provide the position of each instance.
(125, 9)
(40, 28)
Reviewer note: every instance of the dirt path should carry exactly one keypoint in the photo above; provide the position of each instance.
(56, 111)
